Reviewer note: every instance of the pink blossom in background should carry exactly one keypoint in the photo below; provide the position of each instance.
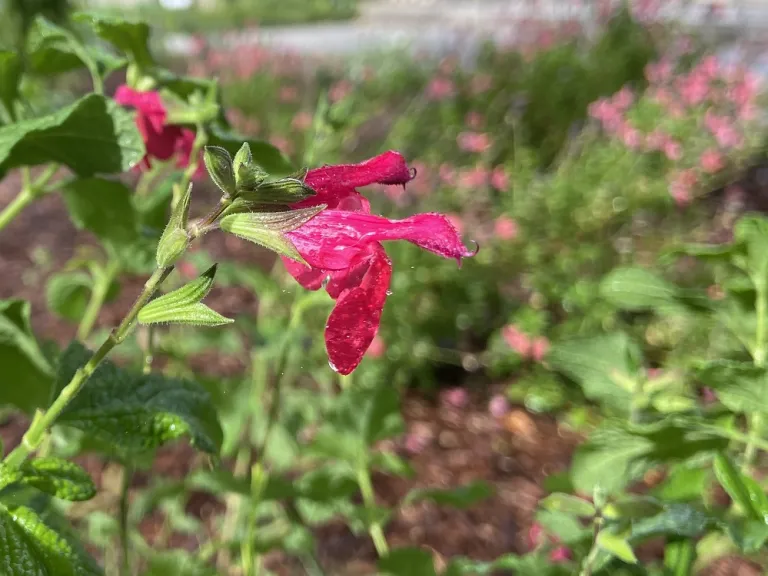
(378, 347)
(340, 90)
(448, 65)
(416, 443)
(539, 348)
(711, 161)
(447, 174)
(722, 129)
(475, 142)
(505, 228)
(517, 340)
(282, 144)
(455, 397)
(709, 67)
(708, 395)
(535, 536)
(473, 120)
(653, 373)
(187, 269)
(423, 185)
(499, 179)
(658, 72)
(693, 89)
(288, 94)
(682, 185)
(302, 121)
(631, 137)
(623, 99)
(471, 178)
(715, 292)
(560, 555)
(498, 407)
(672, 150)
(440, 88)
(481, 83)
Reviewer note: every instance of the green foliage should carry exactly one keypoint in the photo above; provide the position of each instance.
(131, 413)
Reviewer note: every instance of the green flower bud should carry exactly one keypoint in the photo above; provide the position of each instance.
(218, 162)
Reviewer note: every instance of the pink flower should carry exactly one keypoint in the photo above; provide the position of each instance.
(302, 121)
(682, 185)
(535, 536)
(693, 88)
(455, 397)
(560, 555)
(658, 72)
(516, 340)
(343, 244)
(539, 348)
(711, 161)
(505, 228)
(282, 143)
(498, 406)
(623, 99)
(162, 141)
(499, 179)
(476, 142)
(440, 88)
(476, 177)
(708, 67)
(416, 443)
(631, 137)
(673, 150)
(447, 174)
(456, 221)
(378, 347)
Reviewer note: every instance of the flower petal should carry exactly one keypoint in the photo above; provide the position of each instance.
(333, 238)
(354, 321)
(334, 183)
(148, 104)
(309, 278)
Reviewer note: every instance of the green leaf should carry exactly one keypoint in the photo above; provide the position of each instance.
(459, 497)
(9, 475)
(682, 520)
(175, 239)
(30, 547)
(218, 162)
(267, 228)
(633, 508)
(565, 527)
(282, 192)
(683, 483)
(733, 483)
(617, 453)
(598, 364)
(679, 556)
(134, 413)
(60, 478)
(132, 38)
(10, 77)
(26, 377)
(568, 504)
(177, 563)
(183, 306)
(93, 135)
(103, 207)
(749, 535)
(67, 294)
(407, 562)
(616, 546)
(752, 232)
(639, 289)
(263, 153)
(741, 386)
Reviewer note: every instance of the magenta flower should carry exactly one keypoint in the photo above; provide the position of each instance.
(499, 179)
(475, 142)
(560, 555)
(342, 244)
(440, 89)
(711, 161)
(517, 340)
(455, 397)
(162, 141)
(539, 348)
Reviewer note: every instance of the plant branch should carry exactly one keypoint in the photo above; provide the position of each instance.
(125, 557)
(28, 193)
(44, 420)
(102, 282)
(369, 500)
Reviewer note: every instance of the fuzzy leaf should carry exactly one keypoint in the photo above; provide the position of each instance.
(639, 289)
(283, 191)
(93, 135)
(132, 413)
(60, 478)
(740, 386)
(616, 546)
(174, 241)
(263, 154)
(733, 482)
(67, 294)
(132, 38)
(29, 547)
(568, 504)
(10, 77)
(267, 228)
(218, 162)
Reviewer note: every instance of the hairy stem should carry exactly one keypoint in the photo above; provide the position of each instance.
(369, 499)
(40, 425)
(589, 561)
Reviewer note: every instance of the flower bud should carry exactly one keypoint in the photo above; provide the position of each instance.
(171, 247)
(218, 162)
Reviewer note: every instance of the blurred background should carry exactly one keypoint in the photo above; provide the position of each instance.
(567, 138)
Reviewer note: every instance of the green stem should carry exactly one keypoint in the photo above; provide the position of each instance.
(149, 352)
(589, 561)
(369, 499)
(756, 418)
(125, 556)
(40, 425)
(102, 282)
(29, 192)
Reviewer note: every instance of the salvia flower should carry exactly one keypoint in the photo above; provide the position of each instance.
(162, 141)
(343, 248)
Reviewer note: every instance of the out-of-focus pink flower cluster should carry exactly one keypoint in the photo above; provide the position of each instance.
(529, 347)
(699, 119)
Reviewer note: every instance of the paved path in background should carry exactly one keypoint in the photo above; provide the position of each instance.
(441, 26)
